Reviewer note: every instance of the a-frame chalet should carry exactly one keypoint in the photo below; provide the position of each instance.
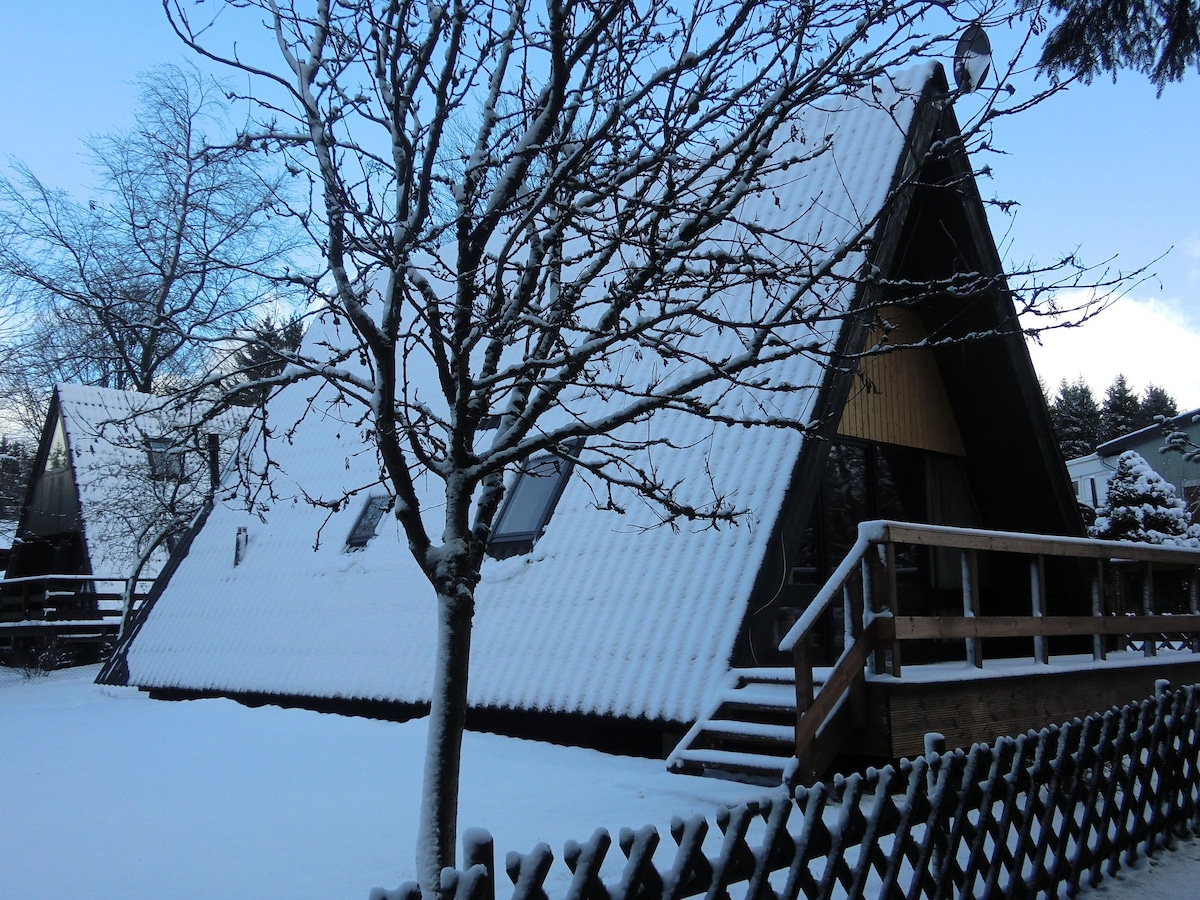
(600, 628)
(116, 480)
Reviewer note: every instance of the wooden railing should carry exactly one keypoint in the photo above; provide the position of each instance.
(866, 584)
(63, 602)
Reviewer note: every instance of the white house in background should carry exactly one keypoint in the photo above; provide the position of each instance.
(603, 628)
(1090, 474)
(116, 478)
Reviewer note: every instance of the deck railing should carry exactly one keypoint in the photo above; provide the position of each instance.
(867, 586)
(37, 598)
(52, 621)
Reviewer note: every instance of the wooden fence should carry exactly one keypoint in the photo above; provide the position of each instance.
(1038, 815)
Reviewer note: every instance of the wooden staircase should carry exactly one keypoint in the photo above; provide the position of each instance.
(756, 731)
(749, 734)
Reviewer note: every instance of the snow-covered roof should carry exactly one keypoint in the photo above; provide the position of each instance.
(121, 502)
(608, 614)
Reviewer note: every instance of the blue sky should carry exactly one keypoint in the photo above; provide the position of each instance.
(1106, 170)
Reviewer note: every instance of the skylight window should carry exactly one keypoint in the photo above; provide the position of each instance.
(530, 502)
(368, 521)
(166, 461)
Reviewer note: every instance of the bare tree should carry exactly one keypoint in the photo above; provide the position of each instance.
(178, 247)
(543, 202)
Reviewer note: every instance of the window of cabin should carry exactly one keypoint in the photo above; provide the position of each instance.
(166, 460)
(530, 502)
(368, 521)
(56, 458)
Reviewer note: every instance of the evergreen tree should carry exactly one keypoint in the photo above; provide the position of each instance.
(263, 354)
(1075, 418)
(1160, 38)
(1121, 411)
(1157, 402)
(1141, 506)
(16, 462)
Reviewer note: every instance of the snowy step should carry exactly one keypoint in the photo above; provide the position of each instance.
(765, 674)
(762, 696)
(751, 731)
(730, 761)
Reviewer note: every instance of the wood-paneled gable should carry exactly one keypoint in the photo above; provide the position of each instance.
(899, 397)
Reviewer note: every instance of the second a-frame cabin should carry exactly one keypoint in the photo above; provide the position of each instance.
(116, 479)
(600, 628)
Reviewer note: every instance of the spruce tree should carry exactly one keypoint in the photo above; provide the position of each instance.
(16, 462)
(1160, 38)
(1075, 418)
(263, 354)
(1142, 506)
(1157, 402)
(1121, 411)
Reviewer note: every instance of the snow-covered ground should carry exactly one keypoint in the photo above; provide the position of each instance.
(107, 794)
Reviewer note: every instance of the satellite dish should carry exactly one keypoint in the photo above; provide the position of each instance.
(972, 59)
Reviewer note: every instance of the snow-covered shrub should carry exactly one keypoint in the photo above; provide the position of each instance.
(1142, 506)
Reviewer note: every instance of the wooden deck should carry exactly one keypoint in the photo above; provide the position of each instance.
(49, 621)
(974, 706)
(1015, 672)
(1140, 630)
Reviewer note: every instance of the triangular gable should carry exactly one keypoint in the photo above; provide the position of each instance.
(611, 613)
(50, 509)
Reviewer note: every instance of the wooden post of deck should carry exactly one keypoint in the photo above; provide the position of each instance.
(856, 601)
(1037, 591)
(970, 592)
(1099, 650)
(868, 570)
(802, 660)
(893, 604)
(1149, 641)
(1194, 604)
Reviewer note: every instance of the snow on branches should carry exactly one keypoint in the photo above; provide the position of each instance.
(1142, 506)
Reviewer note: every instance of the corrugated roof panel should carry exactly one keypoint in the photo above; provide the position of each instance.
(612, 614)
(108, 432)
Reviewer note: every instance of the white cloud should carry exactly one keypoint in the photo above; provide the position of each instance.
(1150, 341)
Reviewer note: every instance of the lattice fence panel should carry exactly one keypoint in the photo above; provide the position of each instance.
(1035, 816)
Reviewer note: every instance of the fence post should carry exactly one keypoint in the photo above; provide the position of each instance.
(939, 822)
(802, 661)
(874, 601)
(1194, 604)
(893, 603)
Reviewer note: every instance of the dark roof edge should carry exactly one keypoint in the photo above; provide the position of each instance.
(116, 670)
(1125, 441)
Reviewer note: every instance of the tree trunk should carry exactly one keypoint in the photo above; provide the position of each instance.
(443, 753)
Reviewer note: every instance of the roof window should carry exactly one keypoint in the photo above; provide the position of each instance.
(166, 460)
(368, 521)
(530, 502)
